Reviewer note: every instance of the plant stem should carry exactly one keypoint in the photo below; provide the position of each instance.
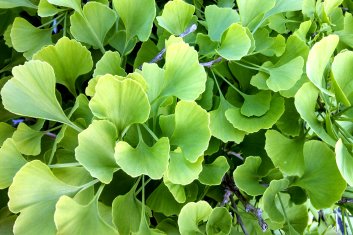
(64, 165)
(89, 184)
(212, 62)
(237, 215)
(150, 132)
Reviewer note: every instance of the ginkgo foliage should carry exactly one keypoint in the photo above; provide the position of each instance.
(176, 117)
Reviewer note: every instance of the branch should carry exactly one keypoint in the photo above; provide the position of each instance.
(239, 220)
(212, 62)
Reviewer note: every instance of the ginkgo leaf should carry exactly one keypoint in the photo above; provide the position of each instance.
(93, 24)
(154, 77)
(191, 215)
(181, 193)
(6, 131)
(122, 102)
(256, 104)
(181, 170)
(321, 179)
(235, 43)
(6, 4)
(344, 160)
(109, 64)
(219, 222)
(27, 38)
(176, 16)
(212, 174)
(218, 20)
(11, 161)
(247, 176)
(34, 193)
(319, 57)
(185, 78)
(95, 150)
(254, 124)
(143, 160)
(191, 133)
(69, 60)
(74, 4)
(34, 86)
(72, 217)
(27, 140)
(45, 9)
(305, 102)
(251, 13)
(137, 20)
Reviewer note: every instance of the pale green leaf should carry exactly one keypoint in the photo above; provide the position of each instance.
(137, 18)
(176, 16)
(69, 60)
(34, 86)
(219, 222)
(6, 4)
(256, 104)
(74, 4)
(95, 150)
(45, 9)
(27, 140)
(109, 64)
(213, 173)
(270, 198)
(251, 12)
(6, 131)
(344, 160)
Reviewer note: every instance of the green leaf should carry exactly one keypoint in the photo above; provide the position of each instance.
(138, 20)
(305, 102)
(11, 161)
(267, 45)
(220, 127)
(182, 193)
(34, 192)
(109, 64)
(176, 16)
(191, 215)
(251, 12)
(342, 83)
(123, 204)
(34, 86)
(247, 176)
(192, 133)
(212, 174)
(143, 160)
(319, 57)
(290, 122)
(235, 43)
(219, 222)
(27, 140)
(6, 4)
(185, 78)
(27, 38)
(69, 60)
(181, 170)
(146, 53)
(205, 44)
(92, 26)
(344, 160)
(122, 102)
(45, 9)
(321, 179)
(74, 4)
(257, 104)
(286, 154)
(218, 20)
(95, 150)
(270, 198)
(6, 131)
(73, 218)
(154, 77)
(254, 124)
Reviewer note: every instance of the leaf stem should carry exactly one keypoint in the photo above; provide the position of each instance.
(65, 165)
(237, 215)
(212, 62)
(140, 189)
(230, 84)
(89, 184)
(284, 211)
(150, 132)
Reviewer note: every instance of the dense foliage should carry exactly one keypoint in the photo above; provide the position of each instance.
(176, 117)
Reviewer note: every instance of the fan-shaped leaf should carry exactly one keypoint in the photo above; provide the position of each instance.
(176, 16)
(6, 131)
(257, 104)
(109, 64)
(74, 4)
(34, 86)
(5, 4)
(95, 150)
(344, 160)
(219, 222)
(191, 215)
(27, 140)
(138, 20)
(212, 174)
(270, 198)
(143, 160)
(69, 60)
(122, 102)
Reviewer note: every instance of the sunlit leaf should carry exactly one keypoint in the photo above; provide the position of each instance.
(122, 102)
(93, 24)
(176, 16)
(305, 102)
(251, 12)
(267, 45)
(109, 64)
(321, 179)
(154, 77)
(344, 160)
(34, 193)
(191, 215)
(319, 57)
(271, 196)
(180, 192)
(138, 20)
(218, 20)
(247, 176)
(143, 160)
(235, 43)
(34, 86)
(27, 140)
(11, 161)
(5, 4)
(27, 38)
(46, 9)
(74, 4)
(219, 222)
(254, 124)
(95, 150)
(212, 174)
(256, 104)
(286, 154)
(185, 78)
(72, 217)
(69, 60)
